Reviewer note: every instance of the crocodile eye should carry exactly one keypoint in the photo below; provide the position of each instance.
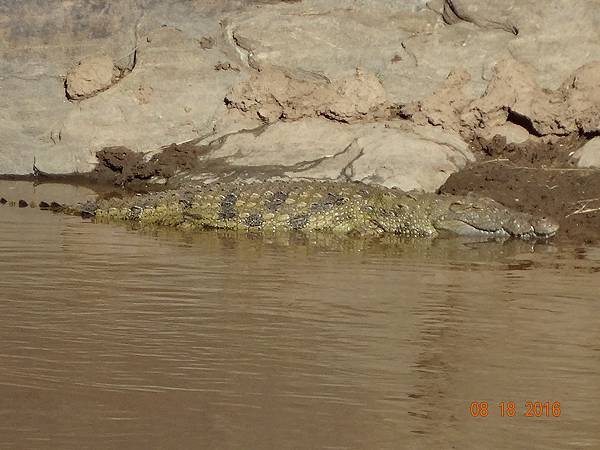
(459, 206)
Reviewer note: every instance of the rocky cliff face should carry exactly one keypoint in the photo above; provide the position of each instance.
(375, 90)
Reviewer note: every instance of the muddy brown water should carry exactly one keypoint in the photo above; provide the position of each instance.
(115, 338)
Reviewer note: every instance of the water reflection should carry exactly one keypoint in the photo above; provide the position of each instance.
(111, 338)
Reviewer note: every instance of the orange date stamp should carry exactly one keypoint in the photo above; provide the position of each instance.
(511, 409)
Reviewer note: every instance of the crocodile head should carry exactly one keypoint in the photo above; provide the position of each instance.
(480, 216)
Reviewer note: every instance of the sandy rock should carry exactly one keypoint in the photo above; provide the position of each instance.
(365, 33)
(274, 94)
(407, 45)
(297, 62)
(39, 43)
(513, 95)
(92, 75)
(285, 144)
(170, 96)
(553, 37)
(582, 93)
(428, 62)
(510, 132)
(444, 106)
(405, 159)
(358, 97)
(589, 154)
(333, 41)
(582, 87)
(483, 14)
(408, 157)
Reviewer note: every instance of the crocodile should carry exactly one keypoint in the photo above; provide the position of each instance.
(315, 206)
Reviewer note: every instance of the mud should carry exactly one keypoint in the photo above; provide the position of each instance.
(123, 167)
(538, 178)
(121, 171)
(536, 152)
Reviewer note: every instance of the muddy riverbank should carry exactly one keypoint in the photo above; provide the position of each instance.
(538, 178)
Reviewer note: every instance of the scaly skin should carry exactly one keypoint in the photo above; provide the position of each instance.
(346, 208)
(349, 208)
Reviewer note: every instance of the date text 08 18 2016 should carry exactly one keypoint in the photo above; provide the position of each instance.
(510, 409)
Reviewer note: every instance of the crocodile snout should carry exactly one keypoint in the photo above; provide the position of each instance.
(544, 227)
(480, 216)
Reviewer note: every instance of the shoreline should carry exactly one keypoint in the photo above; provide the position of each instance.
(532, 177)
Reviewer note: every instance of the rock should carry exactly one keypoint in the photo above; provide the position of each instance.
(510, 132)
(582, 87)
(483, 14)
(363, 34)
(274, 94)
(39, 43)
(475, 67)
(588, 155)
(406, 44)
(444, 106)
(285, 144)
(92, 75)
(582, 91)
(172, 93)
(407, 159)
(553, 37)
(170, 96)
(428, 62)
(419, 158)
(513, 95)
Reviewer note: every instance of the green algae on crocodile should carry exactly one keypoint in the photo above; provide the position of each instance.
(348, 208)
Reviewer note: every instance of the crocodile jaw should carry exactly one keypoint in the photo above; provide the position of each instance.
(533, 228)
(481, 216)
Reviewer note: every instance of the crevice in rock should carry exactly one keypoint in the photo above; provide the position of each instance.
(589, 135)
(522, 121)
(304, 166)
(134, 62)
(66, 88)
(347, 172)
(399, 111)
(242, 48)
(451, 15)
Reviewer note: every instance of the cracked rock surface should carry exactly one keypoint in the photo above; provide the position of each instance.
(381, 91)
